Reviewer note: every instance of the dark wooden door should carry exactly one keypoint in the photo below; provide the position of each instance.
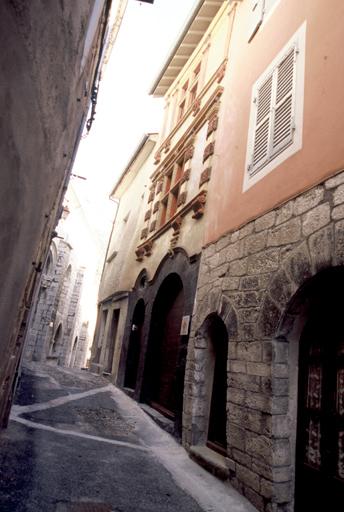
(134, 348)
(320, 433)
(218, 404)
(167, 355)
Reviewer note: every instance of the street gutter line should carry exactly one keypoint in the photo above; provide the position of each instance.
(41, 426)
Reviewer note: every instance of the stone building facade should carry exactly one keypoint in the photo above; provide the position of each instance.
(54, 333)
(264, 376)
(262, 281)
(268, 298)
(149, 280)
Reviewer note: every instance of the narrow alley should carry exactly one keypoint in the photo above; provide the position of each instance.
(172, 256)
(76, 443)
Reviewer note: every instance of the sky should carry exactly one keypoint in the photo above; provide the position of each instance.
(125, 111)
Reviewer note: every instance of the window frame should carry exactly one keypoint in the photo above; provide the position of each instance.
(279, 154)
(172, 183)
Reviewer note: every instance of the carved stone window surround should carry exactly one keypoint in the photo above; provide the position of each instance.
(189, 111)
(197, 204)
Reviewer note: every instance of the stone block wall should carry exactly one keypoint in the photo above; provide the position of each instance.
(70, 315)
(248, 277)
(82, 346)
(40, 330)
(57, 303)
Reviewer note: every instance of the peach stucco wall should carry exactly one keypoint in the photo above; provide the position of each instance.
(322, 152)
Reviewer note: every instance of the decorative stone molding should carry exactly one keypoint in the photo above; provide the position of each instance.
(221, 72)
(219, 93)
(176, 224)
(148, 215)
(144, 233)
(181, 198)
(189, 153)
(198, 205)
(196, 107)
(208, 151)
(174, 240)
(186, 176)
(205, 176)
(148, 248)
(159, 187)
(151, 196)
(139, 254)
(152, 226)
(167, 145)
(212, 124)
(205, 112)
(156, 206)
(157, 157)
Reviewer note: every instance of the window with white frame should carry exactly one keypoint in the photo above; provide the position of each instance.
(275, 130)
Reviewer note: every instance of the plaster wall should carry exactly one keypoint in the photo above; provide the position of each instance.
(322, 149)
(43, 107)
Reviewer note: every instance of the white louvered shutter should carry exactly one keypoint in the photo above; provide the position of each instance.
(262, 125)
(257, 7)
(283, 125)
(274, 120)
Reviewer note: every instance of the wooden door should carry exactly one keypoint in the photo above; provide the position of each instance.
(320, 433)
(218, 404)
(166, 357)
(134, 348)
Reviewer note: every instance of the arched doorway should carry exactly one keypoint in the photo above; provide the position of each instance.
(134, 347)
(164, 371)
(319, 475)
(217, 351)
(209, 394)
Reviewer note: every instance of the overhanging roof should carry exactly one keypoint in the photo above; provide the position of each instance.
(200, 19)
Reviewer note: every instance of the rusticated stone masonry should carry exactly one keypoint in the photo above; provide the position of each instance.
(248, 277)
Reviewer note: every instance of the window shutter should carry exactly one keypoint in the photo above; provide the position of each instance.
(283, 126)
(256, 17)
(262, 124)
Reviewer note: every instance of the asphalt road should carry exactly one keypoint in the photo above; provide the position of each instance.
(75, 443)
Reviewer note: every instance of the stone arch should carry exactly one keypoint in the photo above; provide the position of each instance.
(141, 280)
(134, 346)
(304, 281)
(164, 366)
(212, 332)
(312, 256)
(211, 304)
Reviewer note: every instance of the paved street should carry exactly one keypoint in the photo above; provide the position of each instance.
(75, 443)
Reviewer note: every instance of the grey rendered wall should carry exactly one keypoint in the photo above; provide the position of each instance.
(43, 104)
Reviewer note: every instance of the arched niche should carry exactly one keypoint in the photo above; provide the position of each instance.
(308, 372)
(134, 348)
